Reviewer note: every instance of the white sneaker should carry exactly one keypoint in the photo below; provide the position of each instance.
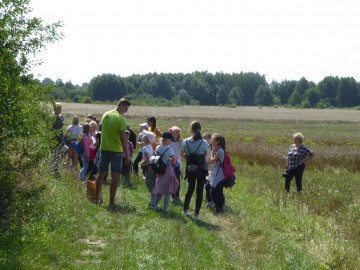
(196, 218)
(186, 214)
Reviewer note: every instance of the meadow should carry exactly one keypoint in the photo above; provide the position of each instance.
(262, 227)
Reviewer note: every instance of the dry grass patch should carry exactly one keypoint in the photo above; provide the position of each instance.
(216, 112)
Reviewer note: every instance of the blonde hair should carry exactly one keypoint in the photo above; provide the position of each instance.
(298, 136)
(93, 123)
(176, 128)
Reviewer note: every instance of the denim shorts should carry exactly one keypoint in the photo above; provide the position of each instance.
(112, 158)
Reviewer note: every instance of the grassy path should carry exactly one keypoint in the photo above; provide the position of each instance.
(262, 228)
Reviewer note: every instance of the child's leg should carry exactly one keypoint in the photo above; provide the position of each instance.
(155, 205)
(166, 202)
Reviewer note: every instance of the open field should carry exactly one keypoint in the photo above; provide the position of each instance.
(238, 113)
(262, 227)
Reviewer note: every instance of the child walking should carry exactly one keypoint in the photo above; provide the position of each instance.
(167, 183)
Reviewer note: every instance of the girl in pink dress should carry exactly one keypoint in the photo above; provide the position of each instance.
(167, 183)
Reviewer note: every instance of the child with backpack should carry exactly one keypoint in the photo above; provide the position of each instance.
(166, 183)
(150, 176)
(195, 149)
(126, 167)
(176, 146)
(217, 178)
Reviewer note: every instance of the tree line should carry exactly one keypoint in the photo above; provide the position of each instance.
(204, 88)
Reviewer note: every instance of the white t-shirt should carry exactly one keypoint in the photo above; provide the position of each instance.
(161, 150)
(74, 131)
(176, 146)
(217, 172)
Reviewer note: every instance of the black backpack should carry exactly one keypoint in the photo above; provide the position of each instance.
(133, 137)
(194, 163)
(157, 163)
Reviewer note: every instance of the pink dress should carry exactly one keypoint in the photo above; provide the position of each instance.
(166, 183)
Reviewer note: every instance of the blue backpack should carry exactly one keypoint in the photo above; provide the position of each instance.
(79, 147)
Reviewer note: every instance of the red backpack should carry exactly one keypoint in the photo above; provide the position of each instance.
(229, 171)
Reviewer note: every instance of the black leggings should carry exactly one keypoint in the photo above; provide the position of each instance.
(297, 173)
(198, 180)
(217, 195)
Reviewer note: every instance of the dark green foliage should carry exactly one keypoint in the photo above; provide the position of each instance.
(209, 89)
(348, 93)
(24, 120)
(312, 96)
(295, 99)
(263, 96)
(107, 87)
(328, 89)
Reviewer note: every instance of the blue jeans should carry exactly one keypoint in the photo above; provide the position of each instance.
(112, 158)
(85, 167)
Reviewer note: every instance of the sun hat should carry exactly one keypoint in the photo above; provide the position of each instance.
(150, 135)
(145, 125)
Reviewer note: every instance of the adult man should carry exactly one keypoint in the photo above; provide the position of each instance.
(112, 147)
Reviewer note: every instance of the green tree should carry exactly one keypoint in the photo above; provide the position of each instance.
(295, 99)
(283, 90)
(23, 123)
(263, 96)
(221, 96)
(328, 89)
(184, 96)
(348, 93)
(313, 96)
(302, 85)
(236, 96)
(107, 87)
(249, 82)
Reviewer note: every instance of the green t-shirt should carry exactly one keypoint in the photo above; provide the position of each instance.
(112, 123)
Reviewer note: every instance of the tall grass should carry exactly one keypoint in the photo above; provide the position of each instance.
(262, 228)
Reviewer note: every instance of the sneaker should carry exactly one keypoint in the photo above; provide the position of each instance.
(210, 205)
(196, 218)
(186, 214)
(155, 207)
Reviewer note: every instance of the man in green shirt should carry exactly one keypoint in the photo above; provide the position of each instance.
(112, 147)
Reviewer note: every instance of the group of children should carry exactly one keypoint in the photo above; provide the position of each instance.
(207, 149)
(204, 154)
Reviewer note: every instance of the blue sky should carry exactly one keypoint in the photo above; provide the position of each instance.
(280, 39)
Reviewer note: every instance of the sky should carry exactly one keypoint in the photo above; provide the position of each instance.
(280, 39)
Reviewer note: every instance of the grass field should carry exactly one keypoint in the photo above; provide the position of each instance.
(262, 227)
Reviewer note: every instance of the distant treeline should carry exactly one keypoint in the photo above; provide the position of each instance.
(204, 88)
